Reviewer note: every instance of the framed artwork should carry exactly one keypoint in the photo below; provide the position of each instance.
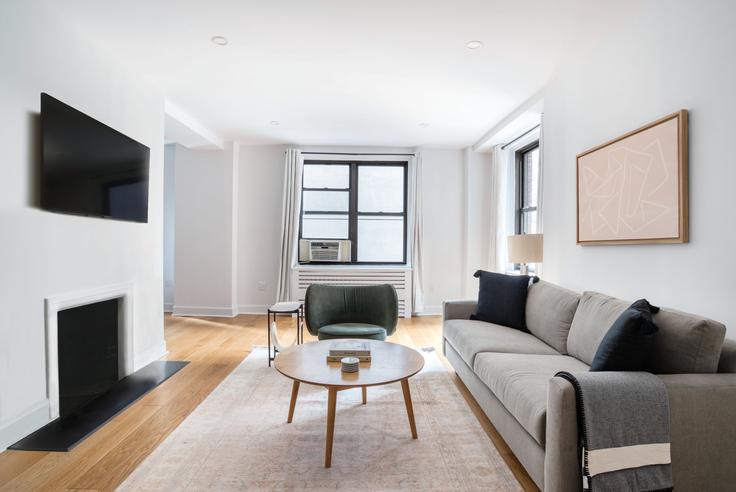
(634, 189)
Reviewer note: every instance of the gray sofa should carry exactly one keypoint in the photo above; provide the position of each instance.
(511, 375)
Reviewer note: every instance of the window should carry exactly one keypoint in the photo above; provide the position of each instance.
(364, 202)
(527, 186)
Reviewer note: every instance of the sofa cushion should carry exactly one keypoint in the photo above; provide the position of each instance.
(594, 316)
(684, 344)
(469, 337)
(727, 362)
(520, 382)
(549, 313)
(351, 330)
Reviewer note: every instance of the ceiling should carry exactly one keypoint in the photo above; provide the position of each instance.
(340, 72)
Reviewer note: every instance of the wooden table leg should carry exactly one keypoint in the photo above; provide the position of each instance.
(365, 395)
(294, 393)
(409, 407)
(331, 403)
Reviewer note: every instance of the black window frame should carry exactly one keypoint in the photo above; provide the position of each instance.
(521, 185)
(353, 213)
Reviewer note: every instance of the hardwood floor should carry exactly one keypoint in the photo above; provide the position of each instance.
(215, 346)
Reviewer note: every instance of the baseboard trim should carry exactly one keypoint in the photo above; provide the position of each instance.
(429, 311)
(222, 312)
(259, 309)
(252, 309)
(35, 417)
(168, 307)
(149, 355)
(226, 312)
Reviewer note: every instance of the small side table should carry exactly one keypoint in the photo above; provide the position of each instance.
(283, 309)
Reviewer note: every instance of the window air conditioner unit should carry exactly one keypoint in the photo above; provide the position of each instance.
(336, 251)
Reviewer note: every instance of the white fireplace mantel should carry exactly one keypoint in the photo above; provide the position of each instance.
(54, 304)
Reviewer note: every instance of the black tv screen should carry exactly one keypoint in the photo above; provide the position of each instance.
(87, 168)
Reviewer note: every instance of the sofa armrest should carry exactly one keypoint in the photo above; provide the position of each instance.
(458, 309)
(562, 471)
(702, 432)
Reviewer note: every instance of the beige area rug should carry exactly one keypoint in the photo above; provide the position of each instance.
(238, 439)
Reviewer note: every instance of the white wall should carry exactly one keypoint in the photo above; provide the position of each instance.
(169, 225)
(203, 230)
(43, 253)
(669, 55)
(443, 190)
(477, 204)
(261, 187)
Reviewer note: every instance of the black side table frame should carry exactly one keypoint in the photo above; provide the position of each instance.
(272, 313)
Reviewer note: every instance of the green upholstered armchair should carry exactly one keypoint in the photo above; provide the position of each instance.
(365, 311)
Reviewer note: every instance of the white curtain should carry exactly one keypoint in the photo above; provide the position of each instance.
(493, 212)
(289, 221)
(415, 193)
(540, 183)
(499, 211)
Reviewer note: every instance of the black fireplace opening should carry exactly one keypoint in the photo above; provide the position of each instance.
(88, 353)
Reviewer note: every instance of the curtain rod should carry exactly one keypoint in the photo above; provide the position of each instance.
(355, 153)
(521, 136)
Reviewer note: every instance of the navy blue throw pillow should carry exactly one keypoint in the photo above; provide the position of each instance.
(629, 341)
(502, 299)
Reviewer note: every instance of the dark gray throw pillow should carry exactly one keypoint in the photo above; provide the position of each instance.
(502, 299)
(628, 343)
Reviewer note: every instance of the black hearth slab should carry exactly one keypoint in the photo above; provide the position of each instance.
(64, 434)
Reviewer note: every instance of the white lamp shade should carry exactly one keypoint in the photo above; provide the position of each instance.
(526, 248)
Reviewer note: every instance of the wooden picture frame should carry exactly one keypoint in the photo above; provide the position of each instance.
(634, 189)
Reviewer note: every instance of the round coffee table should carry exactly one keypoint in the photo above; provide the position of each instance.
(390, 363)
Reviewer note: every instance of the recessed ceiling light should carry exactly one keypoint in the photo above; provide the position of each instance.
(474, 45)
(424, 124)
(275, 123)
(219, 40)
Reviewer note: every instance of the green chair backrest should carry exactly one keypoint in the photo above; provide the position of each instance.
(330, 304)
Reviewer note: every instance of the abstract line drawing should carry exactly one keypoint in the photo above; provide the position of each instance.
(634, 189)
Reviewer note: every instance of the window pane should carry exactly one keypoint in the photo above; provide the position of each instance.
(380, 238)
(326, 176)
(325, 226)
(531, 178)
(380, 189)
(529, 222)
(325, 201)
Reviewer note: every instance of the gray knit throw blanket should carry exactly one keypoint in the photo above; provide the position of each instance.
(623, 424)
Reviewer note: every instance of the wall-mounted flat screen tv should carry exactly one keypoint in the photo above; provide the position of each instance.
(88, 168)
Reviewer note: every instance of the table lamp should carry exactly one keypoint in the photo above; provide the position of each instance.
(525, 249)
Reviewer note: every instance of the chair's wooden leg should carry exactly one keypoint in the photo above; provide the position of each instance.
(365, 395)
(292, 405)
(331, 403)
(409, 407)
